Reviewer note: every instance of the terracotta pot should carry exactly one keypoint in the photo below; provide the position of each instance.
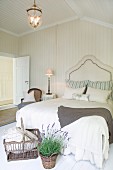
(49, 162)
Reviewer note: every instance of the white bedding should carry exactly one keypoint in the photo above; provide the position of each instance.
(45, 112)
(89, 139)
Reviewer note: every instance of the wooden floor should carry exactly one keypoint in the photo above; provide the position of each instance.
(8, 116)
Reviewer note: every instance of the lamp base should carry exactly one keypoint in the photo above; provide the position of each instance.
(48, 93)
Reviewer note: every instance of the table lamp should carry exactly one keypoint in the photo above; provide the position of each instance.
(49, 73)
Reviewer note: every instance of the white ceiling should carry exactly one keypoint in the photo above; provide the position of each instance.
(13, 16)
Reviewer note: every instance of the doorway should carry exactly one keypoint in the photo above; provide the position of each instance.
(6, 80)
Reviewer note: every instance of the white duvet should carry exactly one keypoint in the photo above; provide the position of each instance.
(45, 112)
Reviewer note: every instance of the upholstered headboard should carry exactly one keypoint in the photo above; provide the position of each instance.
(90, 68)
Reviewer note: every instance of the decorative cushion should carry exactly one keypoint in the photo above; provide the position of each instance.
(76, 84)
(103, 85)
(98, 95)
(69, 92)
(29, 97)
(84, 97)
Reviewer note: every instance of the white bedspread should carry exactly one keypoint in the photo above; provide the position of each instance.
(45, 112)
(89, 139)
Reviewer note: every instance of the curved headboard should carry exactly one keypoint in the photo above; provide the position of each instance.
(90, 68)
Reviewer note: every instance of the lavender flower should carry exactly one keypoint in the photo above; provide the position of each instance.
(51, 132)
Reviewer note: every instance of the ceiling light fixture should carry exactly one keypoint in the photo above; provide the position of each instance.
(34, 15)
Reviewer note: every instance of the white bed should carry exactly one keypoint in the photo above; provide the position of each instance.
(45, 112)
(89, 68)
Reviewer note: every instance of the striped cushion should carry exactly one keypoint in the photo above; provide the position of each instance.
(76, 84)
(103, 85)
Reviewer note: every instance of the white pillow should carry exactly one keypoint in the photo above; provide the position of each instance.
(98, 95)
(29, 97)
(70, 91)
(84, 97)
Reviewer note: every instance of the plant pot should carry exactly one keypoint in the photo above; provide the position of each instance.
(49, 162)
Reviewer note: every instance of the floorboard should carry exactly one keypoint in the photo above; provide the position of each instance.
(8, 116)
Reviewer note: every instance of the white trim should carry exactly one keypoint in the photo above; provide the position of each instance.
(14, 80)
(7, 55)
(80, 16)
(9, 32)
(105, 24)
(9, 106)
(50, 25)
(68, 20)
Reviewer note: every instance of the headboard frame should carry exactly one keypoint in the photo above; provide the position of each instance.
(90, 68)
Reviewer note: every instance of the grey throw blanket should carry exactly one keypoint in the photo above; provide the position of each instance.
(68, 115)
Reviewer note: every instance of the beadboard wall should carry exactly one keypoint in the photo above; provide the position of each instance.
(8, 43)
(62, 46)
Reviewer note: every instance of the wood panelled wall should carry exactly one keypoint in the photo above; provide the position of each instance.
(8, 43)
(62, 46)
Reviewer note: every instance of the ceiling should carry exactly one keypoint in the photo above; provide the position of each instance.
(13, 16)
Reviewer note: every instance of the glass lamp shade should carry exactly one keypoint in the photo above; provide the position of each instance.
(34, 16)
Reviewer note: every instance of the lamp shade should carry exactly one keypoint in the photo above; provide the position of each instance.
(34, 15)
(49, 72)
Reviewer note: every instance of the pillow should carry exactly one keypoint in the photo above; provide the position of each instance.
(98, 95)
(29, 97)
(69, 92)
(84, 97)
(103, 85)
(76, 84)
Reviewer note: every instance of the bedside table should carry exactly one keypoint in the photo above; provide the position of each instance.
(48, 96)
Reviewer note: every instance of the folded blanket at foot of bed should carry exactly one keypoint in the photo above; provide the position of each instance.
(68, 115)
(89, 139)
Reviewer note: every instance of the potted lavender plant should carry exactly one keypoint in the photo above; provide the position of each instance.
(53, 141)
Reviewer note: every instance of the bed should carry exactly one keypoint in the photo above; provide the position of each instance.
(88, 92)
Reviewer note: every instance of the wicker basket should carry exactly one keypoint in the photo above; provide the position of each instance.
(22, 150)
(49, 162)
